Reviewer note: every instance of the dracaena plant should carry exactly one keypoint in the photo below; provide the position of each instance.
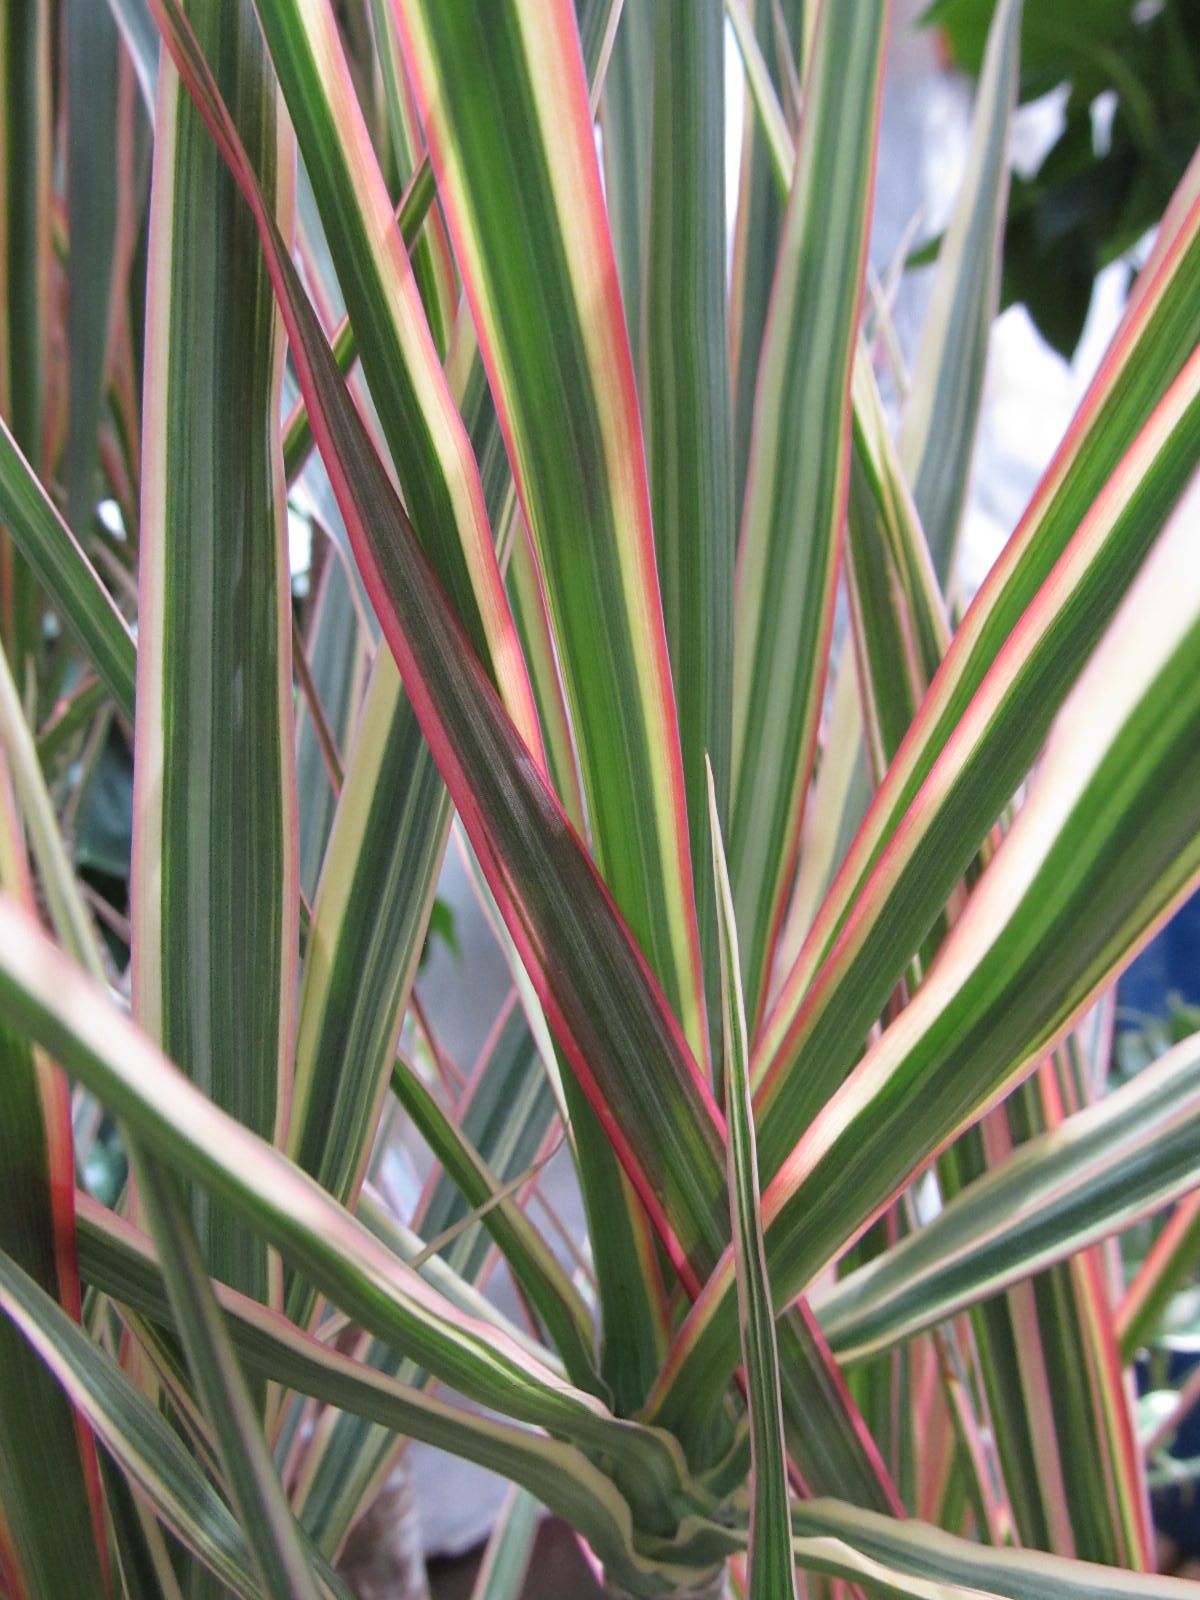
(810, 907)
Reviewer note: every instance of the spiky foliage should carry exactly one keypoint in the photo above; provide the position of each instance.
(810, 923)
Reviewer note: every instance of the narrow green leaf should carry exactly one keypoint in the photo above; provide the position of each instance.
(633, 1307)
(1124, 461)
(506, 111)
(214, 848)
(1054, 1388)
(256, 1492)
(433, 266)
(758, 224)
(1110, 826)
(625, 110)
(841, 793)
(54, 1543)
(937, 1563)
(68, 914)
(420, 423)
(1103, 1168)
(42, 993)
(506, 1118)
(942, 414)
(1045, 1351)
(60, 563)
(411, 213)
(509, 1549)
(121, 1260)
(532, 1263)
(377, 884)
(797, 473)
(91, 64)
(376, 866)
(506, 1112)
(900, 626)
(283, 1564)
(976, 770)
(597, 26)
(829, 1536)
(140, 1546)
(771, 1567)
(686, 414)
(140, 1441)
(26, 198)
(537, 644)
(337, 656)
(426, 640)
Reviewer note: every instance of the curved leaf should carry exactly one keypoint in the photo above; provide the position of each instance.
(1103, 1168)
(1111, 827)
